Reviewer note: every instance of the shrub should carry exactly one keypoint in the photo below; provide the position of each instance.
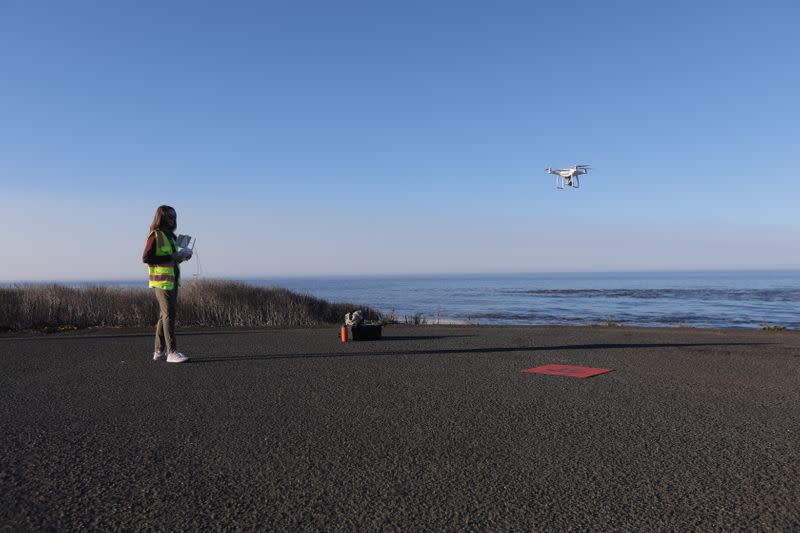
(417, 319)
(53, 307)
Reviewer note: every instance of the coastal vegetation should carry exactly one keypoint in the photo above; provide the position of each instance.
(54, 307)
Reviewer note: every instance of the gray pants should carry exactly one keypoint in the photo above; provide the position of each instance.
(165, 327)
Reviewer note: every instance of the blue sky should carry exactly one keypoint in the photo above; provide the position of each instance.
(308, 138)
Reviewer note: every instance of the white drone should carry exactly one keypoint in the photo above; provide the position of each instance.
(568, 177)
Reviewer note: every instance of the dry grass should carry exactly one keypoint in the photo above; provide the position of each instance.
(200, 303)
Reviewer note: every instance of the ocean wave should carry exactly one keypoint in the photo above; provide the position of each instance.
(753, 295)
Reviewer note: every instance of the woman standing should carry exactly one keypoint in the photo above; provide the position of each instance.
(162, 257)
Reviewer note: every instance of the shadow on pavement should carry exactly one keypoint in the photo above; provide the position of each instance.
(465, 351)
(424, 337)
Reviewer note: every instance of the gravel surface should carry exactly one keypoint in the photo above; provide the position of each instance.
(433, 427)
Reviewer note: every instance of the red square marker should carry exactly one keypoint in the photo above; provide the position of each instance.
(568, 370)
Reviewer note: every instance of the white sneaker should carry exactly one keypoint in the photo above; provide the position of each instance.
(176, 357)
(158, 356)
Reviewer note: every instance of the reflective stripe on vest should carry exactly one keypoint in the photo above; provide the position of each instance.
(162, 276)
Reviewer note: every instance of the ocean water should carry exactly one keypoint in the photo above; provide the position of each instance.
(691, 299)
(727, 299)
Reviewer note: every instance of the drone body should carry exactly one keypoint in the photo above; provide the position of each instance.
(568, 177)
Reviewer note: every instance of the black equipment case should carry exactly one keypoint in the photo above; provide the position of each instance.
(364, 332)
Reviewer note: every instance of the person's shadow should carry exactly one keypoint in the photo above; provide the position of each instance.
(461, 351)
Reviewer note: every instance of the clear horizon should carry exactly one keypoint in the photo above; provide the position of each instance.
(188, 277)
(302, 140)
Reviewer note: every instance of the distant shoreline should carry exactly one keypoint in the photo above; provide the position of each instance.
(389, 330)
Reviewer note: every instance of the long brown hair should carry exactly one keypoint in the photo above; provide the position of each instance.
(160, 218)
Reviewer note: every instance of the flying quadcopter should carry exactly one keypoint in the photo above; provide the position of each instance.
(568, 177)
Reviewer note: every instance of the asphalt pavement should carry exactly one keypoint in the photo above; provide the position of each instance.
(431, 428)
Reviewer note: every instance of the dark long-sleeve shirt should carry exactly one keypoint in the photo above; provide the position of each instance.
(149, 256)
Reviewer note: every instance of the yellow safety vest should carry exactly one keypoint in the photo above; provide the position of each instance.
(163, 276)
